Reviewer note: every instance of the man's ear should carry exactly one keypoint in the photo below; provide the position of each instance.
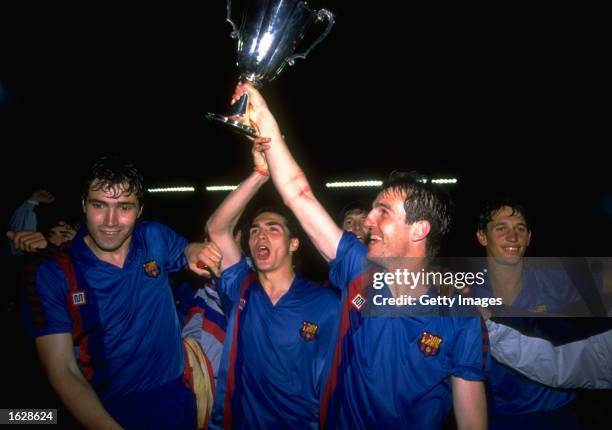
(140, 211)
(482, 238)
(420, 230)
(83, 205)
(294, 244)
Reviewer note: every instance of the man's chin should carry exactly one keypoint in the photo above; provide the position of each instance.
(508, 260)
(374, 257)
(261, 266)
(107, 246)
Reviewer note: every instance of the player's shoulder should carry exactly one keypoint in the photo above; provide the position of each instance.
(319, 291)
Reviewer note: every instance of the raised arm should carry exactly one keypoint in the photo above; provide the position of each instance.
(57, 358)
(289, 179)
(221, 224)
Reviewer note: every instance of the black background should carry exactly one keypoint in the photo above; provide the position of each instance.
(509, 99)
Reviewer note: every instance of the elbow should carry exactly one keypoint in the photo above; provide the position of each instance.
(208, 227)
(212, 230)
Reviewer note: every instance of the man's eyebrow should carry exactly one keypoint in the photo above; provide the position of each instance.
(382, 205)
(118, 203)
(267, 223)
(273, 223)
(92, 200)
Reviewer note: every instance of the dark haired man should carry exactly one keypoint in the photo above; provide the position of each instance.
(281, 328)
(107, 300)
(353, 216)
(515, 400)
(389, 372)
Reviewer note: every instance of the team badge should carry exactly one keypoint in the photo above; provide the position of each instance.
(358, 301)
(309, 330)
(79, 299)
(151, 269)
(429, 344)
(241, 303)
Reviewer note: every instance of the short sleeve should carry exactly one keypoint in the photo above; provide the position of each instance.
(470, 358)
(174, 244)
(349, 263)
(45, 302)
(232, 279)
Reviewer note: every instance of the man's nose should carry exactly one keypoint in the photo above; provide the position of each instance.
(110, 218)
(512, 236)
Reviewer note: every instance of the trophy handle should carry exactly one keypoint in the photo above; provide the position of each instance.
(228, 18)
(322, 14)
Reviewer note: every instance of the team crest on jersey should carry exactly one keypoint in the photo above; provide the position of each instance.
(151, 269)
(78, 298)
(309, 330)
(429, 344)
(241, 303)
(358, 301)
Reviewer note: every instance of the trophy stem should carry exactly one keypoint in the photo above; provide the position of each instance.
(238, 111)
(253, 79)
(233, 119)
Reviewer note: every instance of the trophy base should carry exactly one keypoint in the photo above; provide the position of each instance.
(235, 126)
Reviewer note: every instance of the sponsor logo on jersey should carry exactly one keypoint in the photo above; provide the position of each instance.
(78, 298)
(429, 344)
(358, 301)
(151, 269)
(309, 330)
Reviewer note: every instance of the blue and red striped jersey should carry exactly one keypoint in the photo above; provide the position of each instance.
(276, 357)
(393, 371)
(123, 320)
(510, 392)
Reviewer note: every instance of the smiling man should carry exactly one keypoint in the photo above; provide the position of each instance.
(352, 221)
(389, 372)
(515, 400)
(103, 316)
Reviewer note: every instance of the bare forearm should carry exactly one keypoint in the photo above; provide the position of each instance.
(224, 219)
(220, 225)
(292, 185)
(288, 177)
(470, 404)
(82, 401)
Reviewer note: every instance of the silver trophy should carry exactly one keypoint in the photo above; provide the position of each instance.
(267, 40)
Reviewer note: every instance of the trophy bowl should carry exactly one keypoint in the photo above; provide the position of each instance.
(267, 39)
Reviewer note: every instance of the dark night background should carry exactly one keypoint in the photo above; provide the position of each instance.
(510, 101)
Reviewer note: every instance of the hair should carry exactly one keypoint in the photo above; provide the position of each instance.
(423, 202)
(111, 171)
(54, 217)
(493, 206)
(351, 207)
(290, 222)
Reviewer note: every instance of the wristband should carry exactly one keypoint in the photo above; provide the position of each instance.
(261, 171)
